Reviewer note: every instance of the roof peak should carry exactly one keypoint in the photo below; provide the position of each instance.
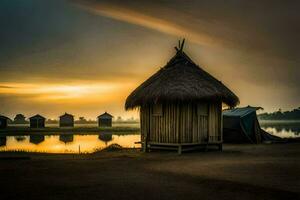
(180, 45)
(181, 79)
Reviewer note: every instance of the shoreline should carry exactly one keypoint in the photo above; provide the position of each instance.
(15, 131)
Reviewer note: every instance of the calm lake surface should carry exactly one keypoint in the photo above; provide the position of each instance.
(66, 143)
(72, 143)
(282, 128)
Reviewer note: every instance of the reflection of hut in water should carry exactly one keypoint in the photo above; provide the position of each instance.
(181, 106)
(2, 141)
(66, 120)
(105, 137)
(37, 121)
(66, 138)
(3, 121)
(20, 138)
(36, 139)
(105, 120)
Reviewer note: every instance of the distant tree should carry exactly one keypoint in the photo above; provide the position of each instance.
(279, 115)
(20, 119)
(82, 120)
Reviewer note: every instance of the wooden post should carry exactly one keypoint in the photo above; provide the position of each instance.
(144, 146)
(220, 147)
(179, 149)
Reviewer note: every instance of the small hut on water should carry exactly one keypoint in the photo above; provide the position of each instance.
(181, 106)
(66, 120)
(105, 120)
(3, 121)
(37, 121)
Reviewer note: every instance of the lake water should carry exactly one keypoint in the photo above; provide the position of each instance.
(66, 143)
(285, 129)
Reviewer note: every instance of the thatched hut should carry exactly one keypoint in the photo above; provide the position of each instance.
(105, 120)
(181, 106)
(37, 121)
(66, 120)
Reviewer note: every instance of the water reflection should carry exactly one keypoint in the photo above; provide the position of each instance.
(67, 143)
(20, 138)
(66, 138)
(105, 137)
(2, 140)
(282, 128)
(36, 139)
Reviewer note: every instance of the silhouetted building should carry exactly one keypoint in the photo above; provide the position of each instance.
(105, 120)
(20, 119)
(37, 121)
(66, 120)
(181, 106)
(3, 121)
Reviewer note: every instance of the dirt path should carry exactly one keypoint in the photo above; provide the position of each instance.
(239, 172)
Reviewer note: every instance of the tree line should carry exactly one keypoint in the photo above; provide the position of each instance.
(279, 115)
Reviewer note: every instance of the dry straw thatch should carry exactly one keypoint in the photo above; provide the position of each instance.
(181, 80)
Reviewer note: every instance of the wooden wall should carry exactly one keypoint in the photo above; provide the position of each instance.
(182, 123)
(104, 122)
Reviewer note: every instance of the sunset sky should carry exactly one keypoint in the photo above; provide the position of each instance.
(85, 57)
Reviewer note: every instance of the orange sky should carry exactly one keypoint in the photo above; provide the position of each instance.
(86, 58)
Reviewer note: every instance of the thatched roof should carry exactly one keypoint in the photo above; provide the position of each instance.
(180, 80)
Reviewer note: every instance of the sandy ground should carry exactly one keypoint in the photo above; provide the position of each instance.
(239, 172)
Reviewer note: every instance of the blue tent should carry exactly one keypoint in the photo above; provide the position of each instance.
(240, 125)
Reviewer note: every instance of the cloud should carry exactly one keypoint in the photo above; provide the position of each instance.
(231, 24)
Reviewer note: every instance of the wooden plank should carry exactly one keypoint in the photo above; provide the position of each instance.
(175, 144)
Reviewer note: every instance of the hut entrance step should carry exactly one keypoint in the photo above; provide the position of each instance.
(185, 147)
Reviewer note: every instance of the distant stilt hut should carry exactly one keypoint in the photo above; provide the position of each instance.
(3, 121)
(105, 120)
(66, 120)
(181, 106)
(37, 121)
